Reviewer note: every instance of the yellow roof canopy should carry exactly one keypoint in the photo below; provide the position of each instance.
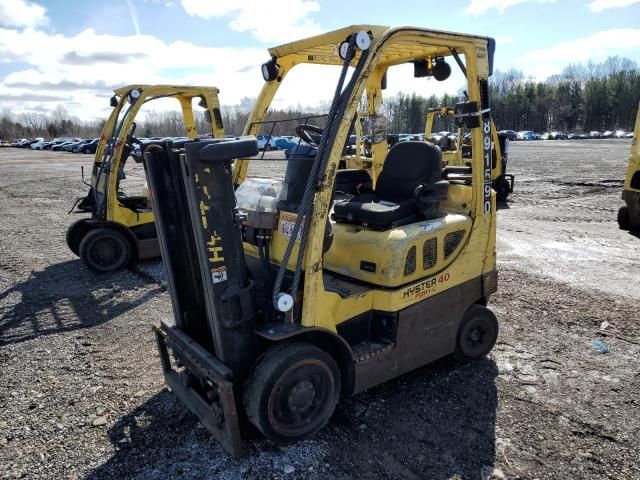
(403, 44)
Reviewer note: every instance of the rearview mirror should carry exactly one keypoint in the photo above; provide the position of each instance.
(113, 101)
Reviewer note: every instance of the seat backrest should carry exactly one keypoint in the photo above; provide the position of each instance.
(408, 164)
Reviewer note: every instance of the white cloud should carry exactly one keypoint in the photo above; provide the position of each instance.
(477, 7)
(86, 66)
(543, 62)
(80, 71)
(22, 13)
(273, 21)
(600, 5)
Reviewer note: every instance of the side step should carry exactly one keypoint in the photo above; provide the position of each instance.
(202, 382)
(368, 349)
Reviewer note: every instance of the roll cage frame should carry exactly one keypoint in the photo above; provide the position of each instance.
(388, 47)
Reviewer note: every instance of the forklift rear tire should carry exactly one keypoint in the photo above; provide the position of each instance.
(105, 250)
(75, 234)
(292, 391)
(623, 218)
(503, 190)
(477, 334)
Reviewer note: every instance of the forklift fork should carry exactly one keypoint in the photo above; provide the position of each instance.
(202, 383)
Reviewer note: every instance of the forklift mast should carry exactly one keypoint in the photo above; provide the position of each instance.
(199, 229)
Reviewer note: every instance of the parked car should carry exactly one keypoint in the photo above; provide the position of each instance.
(91, 147)
(544, 136)
(54, 143)
(607, 134)
(285, 143)
(594, 134)
(266, 142)
(510, 134)
(85, 146)
(557, 136)
(525, 135)
(629, 135)
(37, 145)
(577, 136)
(62, 146)
(620, 134)
(33, 141)
(69, 146)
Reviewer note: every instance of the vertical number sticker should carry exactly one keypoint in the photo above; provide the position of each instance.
(486, 143)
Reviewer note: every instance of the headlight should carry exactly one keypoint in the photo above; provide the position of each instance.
(134, 95)
(270, 70)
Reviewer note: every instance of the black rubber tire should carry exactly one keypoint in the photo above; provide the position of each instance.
(267, 147)
(285, 374)
(105, 250)
(477, 334)
(86, 151)
(623, 218)
(75, 234)
(503, 189)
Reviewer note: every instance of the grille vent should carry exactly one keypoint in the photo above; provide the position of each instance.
(410, 263)
(451, 242)
(430, 253)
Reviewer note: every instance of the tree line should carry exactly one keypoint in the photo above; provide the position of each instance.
(591, 96)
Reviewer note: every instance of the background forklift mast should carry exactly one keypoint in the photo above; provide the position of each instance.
(629, 214)
(121, 228)
(458, 152)
(284, 300)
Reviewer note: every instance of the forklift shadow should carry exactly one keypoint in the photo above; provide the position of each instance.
(436, 422)
(65, 297)
(162, 439)
(502, 205)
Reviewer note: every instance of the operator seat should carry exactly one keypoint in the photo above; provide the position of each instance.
(410, 187)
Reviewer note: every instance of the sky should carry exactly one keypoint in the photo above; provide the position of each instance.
(75, 52)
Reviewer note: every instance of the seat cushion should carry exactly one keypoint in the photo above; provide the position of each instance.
(408, 164)
(370, 211)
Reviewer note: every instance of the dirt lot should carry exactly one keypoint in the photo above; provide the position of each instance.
(81, 393)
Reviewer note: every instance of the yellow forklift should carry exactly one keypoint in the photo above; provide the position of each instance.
(121, 229)
(288, 294)
(456, 151)
(629, 215)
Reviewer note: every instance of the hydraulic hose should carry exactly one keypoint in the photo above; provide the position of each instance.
(305, 210)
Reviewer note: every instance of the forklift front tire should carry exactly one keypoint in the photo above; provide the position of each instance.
(292, 391)
(477, 334)
(623, 218)
(105, 250)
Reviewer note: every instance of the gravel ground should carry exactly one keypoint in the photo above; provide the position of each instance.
(82, 395)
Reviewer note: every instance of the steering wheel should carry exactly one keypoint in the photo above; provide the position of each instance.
(130, 138)
(310, 133)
